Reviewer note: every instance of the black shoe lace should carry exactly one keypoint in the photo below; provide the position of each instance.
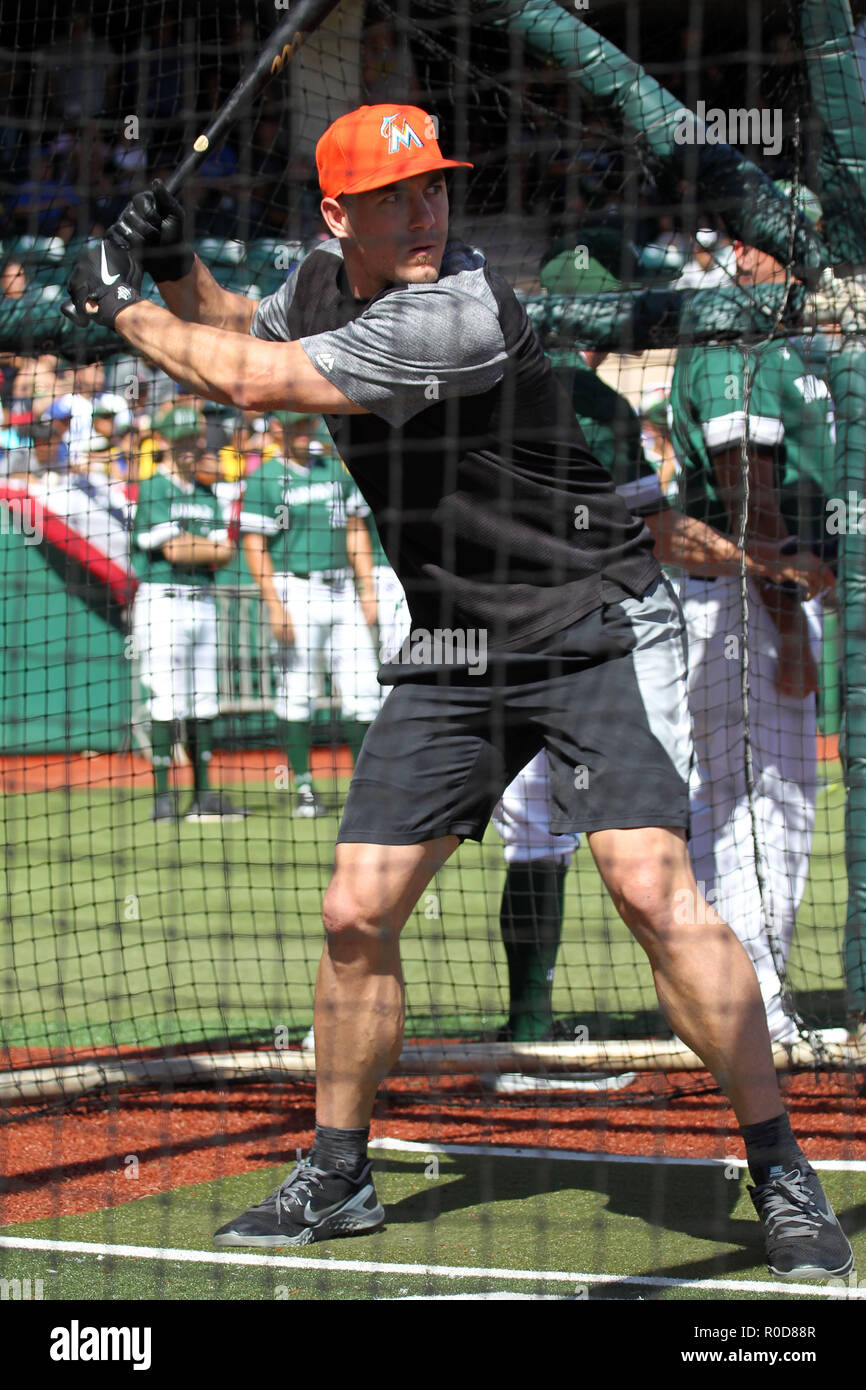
(788, 1206)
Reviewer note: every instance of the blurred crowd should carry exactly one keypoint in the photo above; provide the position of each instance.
(100, 103)
(111, 422)
(91, 155)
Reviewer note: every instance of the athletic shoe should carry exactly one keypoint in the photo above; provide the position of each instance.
(214, 806)
(803, 1238)
(312, 1204)
(558, 1030)
(307, 804)
(165, 808)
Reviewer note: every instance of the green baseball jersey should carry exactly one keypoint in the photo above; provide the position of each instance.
(790, 412)
(302, 512)
(612, 431)
(168, 506)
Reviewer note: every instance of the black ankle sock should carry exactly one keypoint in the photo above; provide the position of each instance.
(344, 1150)
(771, 1148)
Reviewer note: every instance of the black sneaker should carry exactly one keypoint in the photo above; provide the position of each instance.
(312, 1204)
(307, 804)
(165, 807)
(803, 1238)
(557, 1030)
(214, 806)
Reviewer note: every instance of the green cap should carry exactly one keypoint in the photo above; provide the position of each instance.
(292, 417)
(577, 272)
(180, 422)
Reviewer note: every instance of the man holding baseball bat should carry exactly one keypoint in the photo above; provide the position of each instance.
(539, 620)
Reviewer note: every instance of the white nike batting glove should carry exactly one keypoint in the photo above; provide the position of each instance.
(105, 280)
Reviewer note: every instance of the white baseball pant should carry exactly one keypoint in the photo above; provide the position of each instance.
(738, 842)
(329, 637)
(174, 632)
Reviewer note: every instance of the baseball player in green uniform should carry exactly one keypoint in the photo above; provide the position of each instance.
(537, 860)
(179, 540)
(751, 840)
(304, 538)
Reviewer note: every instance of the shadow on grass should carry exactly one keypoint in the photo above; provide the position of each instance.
(697, 1203)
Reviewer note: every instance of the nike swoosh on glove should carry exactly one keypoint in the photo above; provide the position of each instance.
(105, 280)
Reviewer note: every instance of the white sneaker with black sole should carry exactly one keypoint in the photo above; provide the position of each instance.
(307, 804)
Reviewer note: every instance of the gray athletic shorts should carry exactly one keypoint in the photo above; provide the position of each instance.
(607, 698)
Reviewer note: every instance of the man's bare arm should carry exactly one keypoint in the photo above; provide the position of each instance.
(259, 563)
(198, 298)
(261, 567)
(797, 673)
(232, 368)
(764, 519)
(197, 550)
(700, 549)
(765, 523)
(359, 549)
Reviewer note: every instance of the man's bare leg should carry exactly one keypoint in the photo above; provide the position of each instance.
(705, 982)
(708, 989)
(359, 1008)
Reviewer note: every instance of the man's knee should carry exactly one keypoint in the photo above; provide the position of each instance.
(655, 896)
(663, 912)
(356, 925)
(647, 901)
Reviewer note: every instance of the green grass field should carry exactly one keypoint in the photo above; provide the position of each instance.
(125, 932)
(456, 1224)
(119, 931)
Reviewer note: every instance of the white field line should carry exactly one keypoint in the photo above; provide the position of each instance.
(534, 1276)
(840, 1165)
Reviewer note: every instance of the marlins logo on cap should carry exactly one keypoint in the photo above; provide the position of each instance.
(399, 134)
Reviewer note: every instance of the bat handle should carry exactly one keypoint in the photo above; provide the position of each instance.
(79, 319)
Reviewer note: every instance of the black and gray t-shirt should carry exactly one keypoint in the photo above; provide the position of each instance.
(490, 507)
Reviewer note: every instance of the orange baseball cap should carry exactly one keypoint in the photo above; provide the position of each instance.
(377, 145)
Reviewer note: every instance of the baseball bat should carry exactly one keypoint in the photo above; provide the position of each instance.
(304, 18)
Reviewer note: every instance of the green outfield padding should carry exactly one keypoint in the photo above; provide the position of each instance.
(64, 679)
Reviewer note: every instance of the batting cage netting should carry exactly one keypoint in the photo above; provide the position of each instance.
(195, 600)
